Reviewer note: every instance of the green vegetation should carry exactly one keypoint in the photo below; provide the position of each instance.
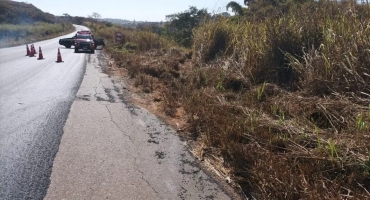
(276, 98)
(22, 23)
(180, 28)
(11, 35)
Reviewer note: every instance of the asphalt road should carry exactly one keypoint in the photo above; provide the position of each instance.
(35, 98)
(68, 132)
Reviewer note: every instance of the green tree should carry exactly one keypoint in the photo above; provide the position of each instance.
(66, 15)
(235, 7)
(181, 25)
(95, 16)
(78, 20)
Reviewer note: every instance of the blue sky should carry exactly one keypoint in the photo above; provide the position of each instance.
(139, 10)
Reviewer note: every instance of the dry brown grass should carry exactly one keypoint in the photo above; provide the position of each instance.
(279, 108)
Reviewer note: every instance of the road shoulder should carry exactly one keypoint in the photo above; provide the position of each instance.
(113, 149)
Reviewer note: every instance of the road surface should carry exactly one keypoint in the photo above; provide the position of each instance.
(62, 141)
(35, 98)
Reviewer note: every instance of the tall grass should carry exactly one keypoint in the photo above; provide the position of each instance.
(316, 66)
(280, 105)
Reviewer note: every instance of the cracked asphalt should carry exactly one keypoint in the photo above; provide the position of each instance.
(111, 149)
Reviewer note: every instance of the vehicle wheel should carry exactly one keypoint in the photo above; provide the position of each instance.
(68, 46)
(76, 50)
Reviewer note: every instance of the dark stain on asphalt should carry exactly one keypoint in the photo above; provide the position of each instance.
(210, 197)
(160, 154)
(132, 108)
(154, 135)
(189, 167)
(108, 92)
(153, 141)
(121, 97)
(84, 97)
(116, 89)
(100, 99)
(182, 193)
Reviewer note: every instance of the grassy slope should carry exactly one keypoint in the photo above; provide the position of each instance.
(280, 106)
(13, 12)
(22, 23)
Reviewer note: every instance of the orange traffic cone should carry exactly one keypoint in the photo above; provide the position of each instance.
(41, 57)
(28, 50)
(59, 59)
(32, 52)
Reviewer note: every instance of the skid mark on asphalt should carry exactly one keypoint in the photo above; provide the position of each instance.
(85, 97)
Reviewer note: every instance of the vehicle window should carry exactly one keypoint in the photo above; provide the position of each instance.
(83, 37)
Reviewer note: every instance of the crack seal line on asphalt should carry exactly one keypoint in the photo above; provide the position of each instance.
(111, 117)
(142, 177)
(137, 167)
